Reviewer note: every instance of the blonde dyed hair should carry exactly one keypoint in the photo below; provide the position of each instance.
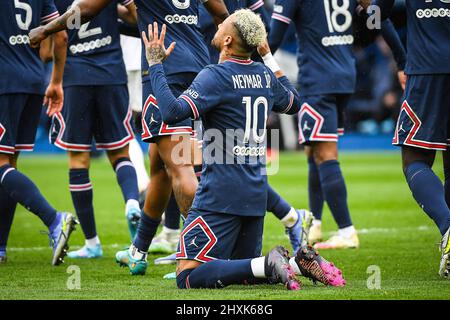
(250, 27)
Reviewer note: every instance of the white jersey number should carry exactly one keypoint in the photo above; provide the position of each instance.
(251, 117)
(84, 32)
(334, 12)
(24, 25)
(181, 4)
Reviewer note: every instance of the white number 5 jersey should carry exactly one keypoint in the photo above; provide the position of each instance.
(21, 70)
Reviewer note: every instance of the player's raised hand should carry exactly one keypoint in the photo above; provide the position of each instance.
(155, 49)
(37, 35)
(264, 48)
(54, 99)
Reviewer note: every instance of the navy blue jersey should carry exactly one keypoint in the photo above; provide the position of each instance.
(325, 38)
(181, 17)
(94, 56)
(208, 28)
(233, 100)
(21, 69)
(428, 43)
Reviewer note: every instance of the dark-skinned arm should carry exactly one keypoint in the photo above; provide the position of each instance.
(82, 11)
(54, 96)
(128, 13)
(217, 10)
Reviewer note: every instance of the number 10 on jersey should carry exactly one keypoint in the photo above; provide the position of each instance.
(253, 124)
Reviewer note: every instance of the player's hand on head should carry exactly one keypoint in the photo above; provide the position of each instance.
(402, 78)
(54, 99)
(264, 48)
(155, 49)
(37, 35)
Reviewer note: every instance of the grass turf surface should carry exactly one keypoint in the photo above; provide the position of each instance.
(395, 236)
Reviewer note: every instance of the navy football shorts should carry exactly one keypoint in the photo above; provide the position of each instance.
(424, 119)
(152, 124)
(209, 236)
(321, 117)
(19, 119)
(99, 113)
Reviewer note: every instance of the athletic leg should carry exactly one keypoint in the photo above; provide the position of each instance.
(82, 194)
(7, 209)
(176, 155)
(425, 185)
(335, 194)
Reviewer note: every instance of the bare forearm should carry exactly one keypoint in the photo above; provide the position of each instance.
(79, 13)
(59, 56)
(128, 14)
(217, 10)
(46, 50)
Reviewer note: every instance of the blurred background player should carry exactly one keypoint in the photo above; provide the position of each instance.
(131, 50)
(96, 107)
(22, 87)
(327, 77)
(423, 125)
(221, 228)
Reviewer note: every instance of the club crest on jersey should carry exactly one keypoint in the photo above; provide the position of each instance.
(278, 9)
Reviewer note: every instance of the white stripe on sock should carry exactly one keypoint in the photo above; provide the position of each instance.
(258, 267)
(6, 172)
(294, 266)
(123, 164)
(290, 219)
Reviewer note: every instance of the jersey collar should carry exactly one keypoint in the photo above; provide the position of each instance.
(239, 61)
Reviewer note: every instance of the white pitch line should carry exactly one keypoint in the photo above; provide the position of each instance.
(368, 231)
(273, 237)
(107, 246)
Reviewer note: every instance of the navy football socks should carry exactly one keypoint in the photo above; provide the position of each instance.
(216, 274)
(21, 189)
(82, 197)
(146, 231)
(276, 204)
(127, 179)
(447, 186)
(7, 209)
(335, 192)
(172, 214)
(428, 191)
(315, 192)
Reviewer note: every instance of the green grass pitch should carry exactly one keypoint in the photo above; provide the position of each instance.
(395, 235)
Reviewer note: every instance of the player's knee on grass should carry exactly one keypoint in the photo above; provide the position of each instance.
(183, 279)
